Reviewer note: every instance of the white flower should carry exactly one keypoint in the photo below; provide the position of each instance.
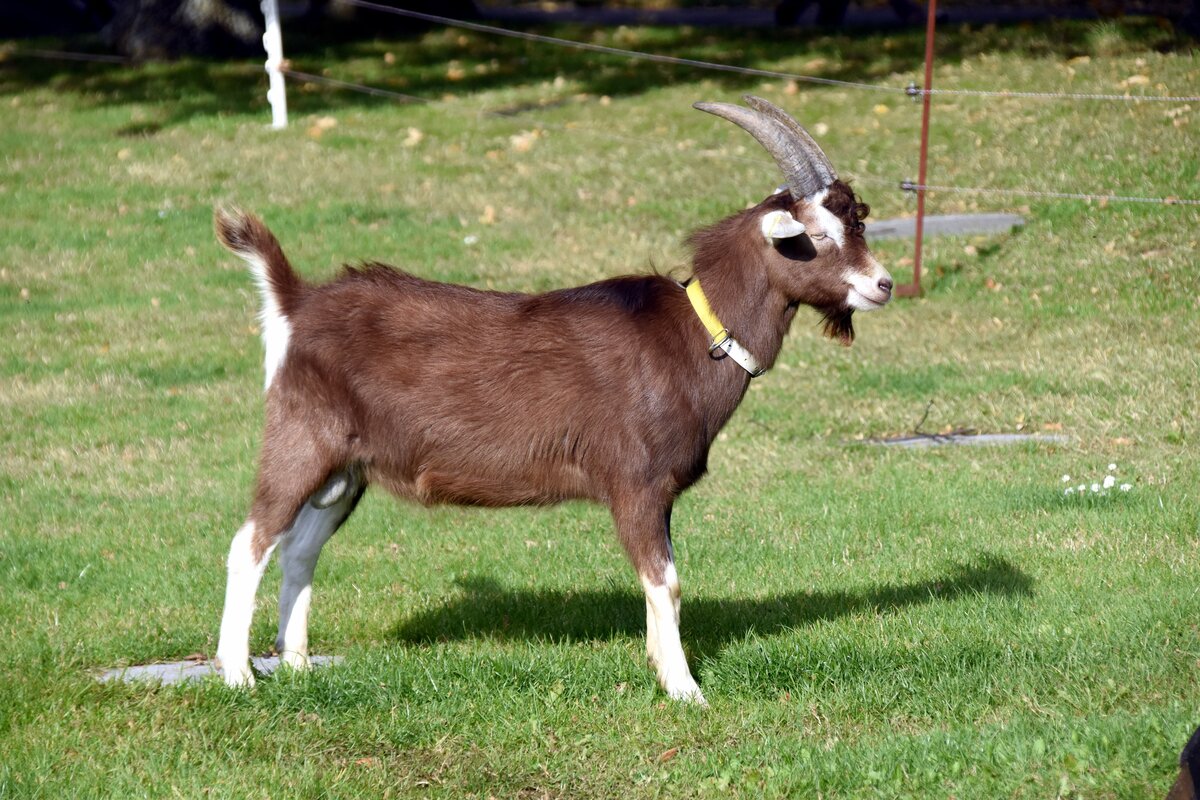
(1066, 478)
(1081, 488)
(1095, 487)
(1069, 490)
(1109, 481)
(1112, 467)
(1125, 487)
(470, 239)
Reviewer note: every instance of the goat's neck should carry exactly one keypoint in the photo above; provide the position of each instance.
(755, 315)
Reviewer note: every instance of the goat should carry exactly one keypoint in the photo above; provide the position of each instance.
(611, 392)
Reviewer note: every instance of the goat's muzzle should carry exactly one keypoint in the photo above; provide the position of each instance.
(869, 292)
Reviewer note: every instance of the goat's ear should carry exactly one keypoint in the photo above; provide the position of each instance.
(780, 225)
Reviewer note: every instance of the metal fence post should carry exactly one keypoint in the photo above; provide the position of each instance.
(914, 289)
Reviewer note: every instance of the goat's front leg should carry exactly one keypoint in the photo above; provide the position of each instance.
(645, 531)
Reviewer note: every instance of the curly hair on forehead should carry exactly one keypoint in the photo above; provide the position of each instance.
(847, 206)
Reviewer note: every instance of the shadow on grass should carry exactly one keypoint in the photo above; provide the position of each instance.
(421, 65)
(486, 608)
(169, 93)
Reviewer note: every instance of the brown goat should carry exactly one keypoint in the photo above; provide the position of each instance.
(611, 392)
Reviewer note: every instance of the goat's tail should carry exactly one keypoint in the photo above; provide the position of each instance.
(282, 289)
(246, 236)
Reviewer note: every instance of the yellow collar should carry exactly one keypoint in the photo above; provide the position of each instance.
(722, 339)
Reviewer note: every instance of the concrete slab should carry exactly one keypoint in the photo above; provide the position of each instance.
(177, 672)
(943, 225)
(936, 440)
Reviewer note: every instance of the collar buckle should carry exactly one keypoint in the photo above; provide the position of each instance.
(722, 339)
(731, 347)
(722, 336)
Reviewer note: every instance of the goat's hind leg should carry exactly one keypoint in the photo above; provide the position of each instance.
(248, 556)
(285, 486)
(299, 550)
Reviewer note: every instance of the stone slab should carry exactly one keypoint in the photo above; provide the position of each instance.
(976, 439)
(944, 225)
(190, 671)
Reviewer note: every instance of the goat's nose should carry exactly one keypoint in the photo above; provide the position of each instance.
(886, 284)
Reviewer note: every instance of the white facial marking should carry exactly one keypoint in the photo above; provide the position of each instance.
(662, 603)
(780, 225)
(827, 221)
(276, 330)
(233, 648)
(865, 292)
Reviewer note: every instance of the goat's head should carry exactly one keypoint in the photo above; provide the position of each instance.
(811, 230)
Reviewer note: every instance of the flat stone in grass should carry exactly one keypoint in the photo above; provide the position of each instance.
(194, 670)
(945, 225)
(935, 440)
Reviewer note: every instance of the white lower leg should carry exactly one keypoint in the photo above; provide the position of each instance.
(292, 640)
(652, 653)
(663, 602)
(245, 573)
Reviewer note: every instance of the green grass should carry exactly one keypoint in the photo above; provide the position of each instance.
(863, 621)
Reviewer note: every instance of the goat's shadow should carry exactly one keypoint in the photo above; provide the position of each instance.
(484, 607)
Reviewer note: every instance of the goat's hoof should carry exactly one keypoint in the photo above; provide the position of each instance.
(237, 677)
(687, 692)
(694, 698)
(295, 660)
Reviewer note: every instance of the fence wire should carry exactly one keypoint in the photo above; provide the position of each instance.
(62, 55)
(911, 90)
(308, 77)
(1049, 195)
(1006, 93)
(617, 51)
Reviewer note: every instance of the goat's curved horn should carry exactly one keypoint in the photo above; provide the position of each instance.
(803, 178)
(816, 155)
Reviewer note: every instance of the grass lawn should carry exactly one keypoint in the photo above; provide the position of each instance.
(864, 621)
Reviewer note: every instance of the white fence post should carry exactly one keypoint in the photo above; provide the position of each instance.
(273, 42)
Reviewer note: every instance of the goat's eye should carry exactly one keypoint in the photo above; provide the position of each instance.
(818, 236)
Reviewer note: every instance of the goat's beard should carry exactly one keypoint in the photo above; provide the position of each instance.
(838, 325)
